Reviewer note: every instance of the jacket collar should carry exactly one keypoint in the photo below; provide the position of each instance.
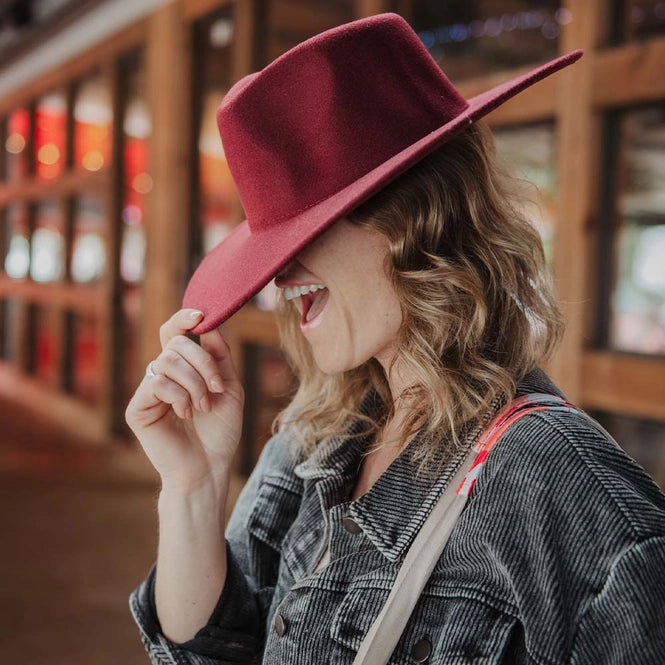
(393, 510)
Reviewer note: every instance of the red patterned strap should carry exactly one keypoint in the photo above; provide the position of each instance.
(495, 430)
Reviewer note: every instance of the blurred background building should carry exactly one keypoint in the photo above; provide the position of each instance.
(114, 184)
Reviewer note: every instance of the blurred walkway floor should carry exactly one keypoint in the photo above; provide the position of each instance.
(79, 534)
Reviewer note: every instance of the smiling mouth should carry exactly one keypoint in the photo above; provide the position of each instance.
(313, 304)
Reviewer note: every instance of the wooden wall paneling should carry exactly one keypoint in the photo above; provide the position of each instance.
(577, 154)
(167, 70)
(630, 74)
(130, 37)
(627, 384)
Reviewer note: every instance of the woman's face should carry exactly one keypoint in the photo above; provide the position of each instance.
(356, 315)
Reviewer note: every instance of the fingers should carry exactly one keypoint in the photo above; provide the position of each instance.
(213, 343)
(191, 367)
(182, 321)
(168, 391)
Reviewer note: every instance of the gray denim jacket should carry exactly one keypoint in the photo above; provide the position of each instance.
(558, 557)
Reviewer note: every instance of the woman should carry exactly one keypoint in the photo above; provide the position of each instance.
(414, 309)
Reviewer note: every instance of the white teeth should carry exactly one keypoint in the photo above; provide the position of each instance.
(291, 292)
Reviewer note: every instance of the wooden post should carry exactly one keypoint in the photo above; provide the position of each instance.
(578, 129)
(168, 76)
(364, 8)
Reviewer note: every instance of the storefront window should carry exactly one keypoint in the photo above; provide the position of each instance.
(46, 345)
(88, 372)
(137, 128)
(89, 245)
(47, 252)
(269, 384)
(50, 135)
(470, 39)
(638, 301)
(17, 137)
(16, 245)
(529, 154)
(93, 118)
(10, 321)
(219, 209)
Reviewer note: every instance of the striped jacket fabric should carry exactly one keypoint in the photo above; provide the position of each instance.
(557, 559)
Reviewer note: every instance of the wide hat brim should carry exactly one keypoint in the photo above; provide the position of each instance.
(246, 260)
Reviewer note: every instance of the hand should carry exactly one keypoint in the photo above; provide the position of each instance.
(188, 416)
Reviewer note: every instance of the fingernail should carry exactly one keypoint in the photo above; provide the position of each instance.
(216, 384)
(205, 404)
(196, 314)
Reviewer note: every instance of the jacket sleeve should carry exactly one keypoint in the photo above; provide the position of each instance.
(625, 623)
(235, 631)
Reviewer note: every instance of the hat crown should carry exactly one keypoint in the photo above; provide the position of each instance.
(328, 112)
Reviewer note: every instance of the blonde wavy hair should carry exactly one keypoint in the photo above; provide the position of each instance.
(478, 311)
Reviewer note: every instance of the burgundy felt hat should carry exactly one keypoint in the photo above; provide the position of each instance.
(320, 130)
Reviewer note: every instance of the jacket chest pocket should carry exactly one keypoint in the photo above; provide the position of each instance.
(275, 508)
(445, 628)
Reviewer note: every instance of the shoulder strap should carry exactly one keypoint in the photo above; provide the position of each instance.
(383, 635)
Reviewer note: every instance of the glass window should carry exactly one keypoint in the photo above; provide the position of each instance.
(529, 154)
(637, 307)
(470, 39)
(643, 440)
(11, 327)
(16, 145)
(269, 383)
(636, 20)
(16, 244)
(87, 368)
(219, 209)
(47, 253)
(89, 245)
(50, 135)
(137, 129)
(46, 345)
(93, 119)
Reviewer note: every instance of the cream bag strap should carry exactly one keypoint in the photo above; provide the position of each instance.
(383, 635)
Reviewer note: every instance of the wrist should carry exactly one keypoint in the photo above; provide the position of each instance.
(206, 497)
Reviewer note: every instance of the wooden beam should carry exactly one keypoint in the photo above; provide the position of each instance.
(168, 85)
(193, 10)
(364, 8)
(67, 184)
(242, 60)
(629, 75)
(78, 297)
(625, 384)
(128, 38)
(578, 157)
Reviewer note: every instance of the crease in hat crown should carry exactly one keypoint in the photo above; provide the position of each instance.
(319, 131)
(329, 111)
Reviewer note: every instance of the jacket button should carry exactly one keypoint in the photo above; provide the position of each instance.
(421, 650)
(280, 625)
(351, 526)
